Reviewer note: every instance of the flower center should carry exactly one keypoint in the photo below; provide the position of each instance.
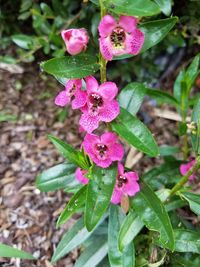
(121, 180)
(117, 37)
(101, 151)
(96, 101)
(71, 91)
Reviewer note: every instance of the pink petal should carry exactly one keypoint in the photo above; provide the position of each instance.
(184, 169)
(116, 152)
(108, 90)
(62, 99)
(74, 48)
(79, 174)
(109, 138)
(91, 84)
(134, 42)
(116, 196)
(66, 34)
(89, 123)
(80, 99)
(128, 23)
(120, 169)
(131, 188)
(106, 48)
(106, 25)
(70, 83)
(110, 111)
(89, 141)
(102, 163)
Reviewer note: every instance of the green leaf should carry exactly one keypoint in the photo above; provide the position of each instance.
(93, 254)
(132, 8)
(73, 238)
(99, 193)
(117, 258)
(57, 177)
(187, 241)
(192, 72)
(74, 205)
(75, 67)
(23, 41)
(135, 133)
(131, 97)
(165, 6)
(10, 252)
(178, 84)
(130, 227)
(152, 213)
(155, 31)
(162, 96)
(193, 200)
(166, 150)
(185, 260)
(69, 152)
(196, 118)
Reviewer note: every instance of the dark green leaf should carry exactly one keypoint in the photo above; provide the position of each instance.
(72, 239)
(187, 241)
(23, 41)
(76, 67)
(69, 152)
(132, 8)
(152, 212)
(196, 120)
(117, 258)
(74, 205)
(161, 96)
(93, 254)
(185, 260)
(177, 85)
(130, 227)
(193, 200)
(99, 193)
(192, 72)
(57, 177)
(135, 133)
(131, 97)
(10, 252)
(165, 6)
(166, 150)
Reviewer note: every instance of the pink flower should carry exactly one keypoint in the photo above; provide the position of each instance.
(75, 40)
(79, 174)
(118, 38)
(101, 105)
(184, 168)
(126, 184)
(104, 149)
(72, 93)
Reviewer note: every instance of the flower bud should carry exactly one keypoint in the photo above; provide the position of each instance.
(75, 40)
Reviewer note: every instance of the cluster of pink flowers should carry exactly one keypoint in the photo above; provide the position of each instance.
(98, 102)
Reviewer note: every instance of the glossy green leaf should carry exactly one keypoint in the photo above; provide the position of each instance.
(69, 152)
(74, 205)
(155, 32)
(10, 252)
(193, 200)
(196, 119)
(99, 193)
(192, 72)
(73, 238)
(135, 133)
(187, 241)
(130, 227)
(116, 257)
(23, 41)
(161, 96)
(131, 97)
(93, 254)
(152, 213)
(164, 5)
(132, 8)
(75, 67)
(57, 177)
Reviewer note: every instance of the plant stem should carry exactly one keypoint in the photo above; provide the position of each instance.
(102, 61)
(185, 178)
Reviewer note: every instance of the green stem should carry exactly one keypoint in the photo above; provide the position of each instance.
(102, 61)
(185, 178)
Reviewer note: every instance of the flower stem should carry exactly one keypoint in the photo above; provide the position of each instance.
(102, 61)
(185, 178)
